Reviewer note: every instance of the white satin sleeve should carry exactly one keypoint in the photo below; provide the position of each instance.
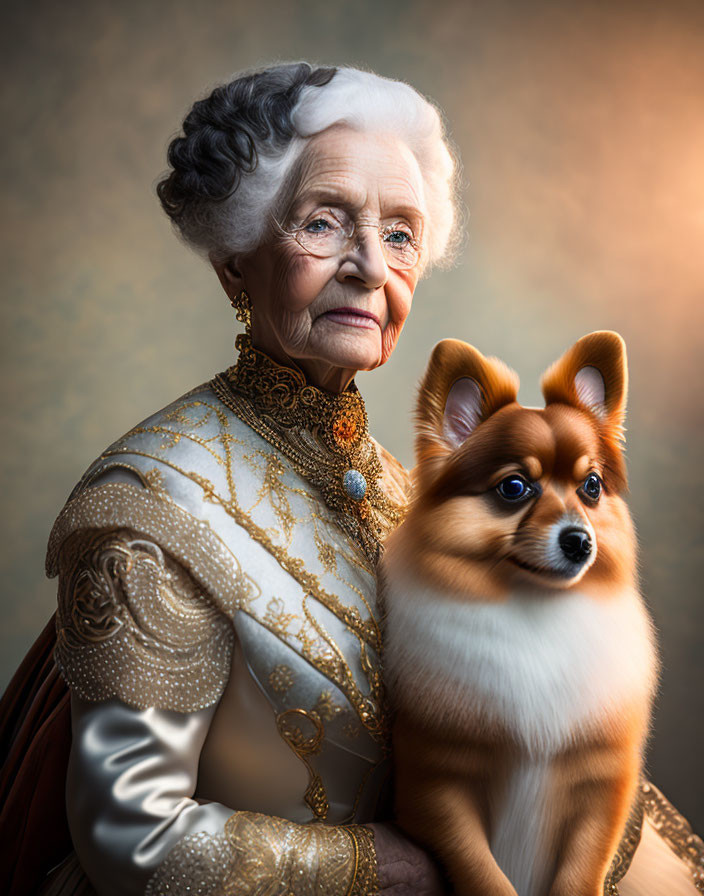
(131, 779)
(137, 829)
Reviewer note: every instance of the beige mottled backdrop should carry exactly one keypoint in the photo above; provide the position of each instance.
(581, 128)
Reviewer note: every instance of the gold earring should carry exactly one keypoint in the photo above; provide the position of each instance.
(243, 309)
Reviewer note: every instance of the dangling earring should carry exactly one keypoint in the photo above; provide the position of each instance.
(243, 309)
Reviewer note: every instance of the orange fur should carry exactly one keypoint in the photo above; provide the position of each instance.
(460, 541)
(451, 360)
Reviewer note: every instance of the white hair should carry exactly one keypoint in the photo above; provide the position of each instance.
(234, 223)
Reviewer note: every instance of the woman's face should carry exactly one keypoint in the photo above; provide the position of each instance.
(335, 315)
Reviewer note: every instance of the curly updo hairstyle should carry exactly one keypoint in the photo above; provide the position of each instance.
(234, 161)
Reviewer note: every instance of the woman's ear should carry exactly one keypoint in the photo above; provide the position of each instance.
(228, 274)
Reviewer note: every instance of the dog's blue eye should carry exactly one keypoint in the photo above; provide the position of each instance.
(591, 487)
(514, 488)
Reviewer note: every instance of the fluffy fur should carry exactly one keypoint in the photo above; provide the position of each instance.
(519, 655)
(545, 670)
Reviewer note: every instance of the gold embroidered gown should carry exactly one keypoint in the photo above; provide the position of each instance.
(219, 630)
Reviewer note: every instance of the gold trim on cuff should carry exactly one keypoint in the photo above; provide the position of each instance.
(261, 855)
(364, 881)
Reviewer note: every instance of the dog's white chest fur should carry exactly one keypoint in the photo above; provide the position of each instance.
(518, 840)
(543, 667)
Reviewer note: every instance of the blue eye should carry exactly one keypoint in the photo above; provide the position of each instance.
(398, 237)
(514, 489)
(591, 488)
(318, 226)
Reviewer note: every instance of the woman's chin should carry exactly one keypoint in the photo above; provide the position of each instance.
(352, 350)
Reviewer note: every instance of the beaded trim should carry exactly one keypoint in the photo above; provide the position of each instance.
(132, 624)
(676, 832)
(671, 827)
(365, 881)
(627, 846)
(262, 854)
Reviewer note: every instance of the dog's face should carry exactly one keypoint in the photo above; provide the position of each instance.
(513, 498)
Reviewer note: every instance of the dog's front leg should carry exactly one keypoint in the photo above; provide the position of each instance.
(446, 819)
(594, 826)
(463, 846)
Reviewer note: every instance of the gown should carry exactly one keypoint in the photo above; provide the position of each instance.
(219, 629)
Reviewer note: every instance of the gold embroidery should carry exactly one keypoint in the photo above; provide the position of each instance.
(91, 594)
(306, 744)
(350, 729)
(282, 515)
(325, 707)
(326, 554)
(331, 664)
(367, 629)
(365, 881)
(281, 678)
(132, 624)
(371, 707)
(676, 832)
(671, 827)
(324, 436)
(317, 646)
(316, 798)
(273, 488)
(192, 542)
(154, 479)
(260, 855)
(626, 849)
(171, 438)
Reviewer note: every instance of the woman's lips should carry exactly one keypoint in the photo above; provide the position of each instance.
(353, 317)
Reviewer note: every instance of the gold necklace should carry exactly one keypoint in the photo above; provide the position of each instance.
(324, 435)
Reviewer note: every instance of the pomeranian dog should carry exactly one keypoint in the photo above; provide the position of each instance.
(519, 656)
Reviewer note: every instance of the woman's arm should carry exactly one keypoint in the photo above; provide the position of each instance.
(136, 827)
(147, 659)
(129, 790)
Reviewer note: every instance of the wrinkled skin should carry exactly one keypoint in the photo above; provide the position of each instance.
(403, 868)
(376, 180)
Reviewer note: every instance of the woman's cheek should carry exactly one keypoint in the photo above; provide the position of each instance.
(389, 338)
(302, 282)
(294, 329)
(399, 295)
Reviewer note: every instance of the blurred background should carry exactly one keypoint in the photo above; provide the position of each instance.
(581, 130)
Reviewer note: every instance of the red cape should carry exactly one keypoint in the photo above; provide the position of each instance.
(35, 739)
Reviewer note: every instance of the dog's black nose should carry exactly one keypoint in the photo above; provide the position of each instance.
(576, 544)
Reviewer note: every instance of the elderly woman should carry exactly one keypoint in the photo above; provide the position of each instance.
(218, 623)
(217, 619)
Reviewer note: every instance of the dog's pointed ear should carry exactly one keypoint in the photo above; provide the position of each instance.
(593, 376)
(459, 390)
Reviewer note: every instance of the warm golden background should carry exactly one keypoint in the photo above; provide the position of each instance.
(581, 128)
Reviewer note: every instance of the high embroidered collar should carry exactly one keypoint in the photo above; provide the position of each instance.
(323, 434)
(285, 396)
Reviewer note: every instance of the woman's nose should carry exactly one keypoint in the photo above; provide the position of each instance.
(365, 260)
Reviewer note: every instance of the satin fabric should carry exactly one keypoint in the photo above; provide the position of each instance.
(131, 779)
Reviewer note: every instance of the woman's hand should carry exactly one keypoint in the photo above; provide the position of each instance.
(404, 869)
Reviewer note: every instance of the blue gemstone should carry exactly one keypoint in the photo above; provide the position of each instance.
(354, 484)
